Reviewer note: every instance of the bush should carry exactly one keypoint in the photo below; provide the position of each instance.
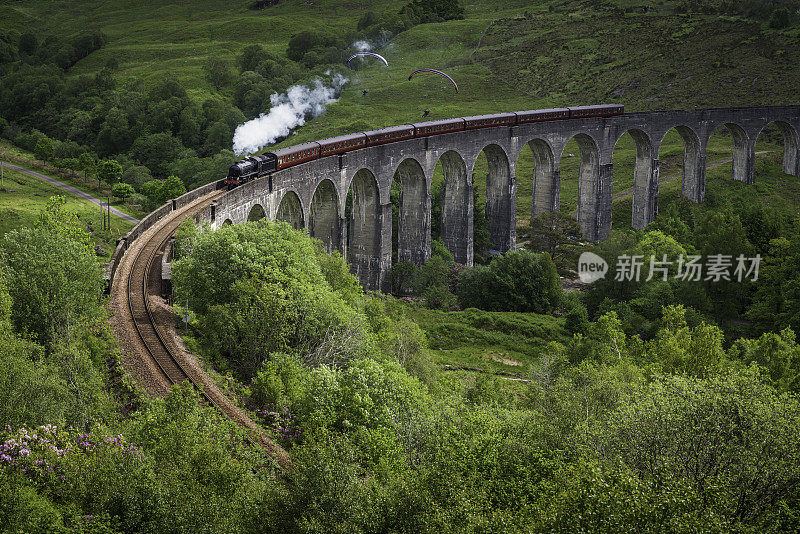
(243, 276)
(306, 41)
(577, 320)
(439, 297)
(44, 149)
(422, 11)
(53, 281)
(402, 276)
(281, 382)
(516, 281)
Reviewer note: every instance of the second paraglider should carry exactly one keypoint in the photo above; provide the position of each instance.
(371, 54)
(434, 71)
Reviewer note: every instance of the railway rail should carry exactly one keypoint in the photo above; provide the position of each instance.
(138, 289)
(139, 282)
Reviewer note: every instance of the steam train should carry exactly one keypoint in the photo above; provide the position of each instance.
(254, 167)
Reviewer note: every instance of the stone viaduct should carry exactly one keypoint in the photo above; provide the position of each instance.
(313, 195)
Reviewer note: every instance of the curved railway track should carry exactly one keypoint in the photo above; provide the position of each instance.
(140, 280)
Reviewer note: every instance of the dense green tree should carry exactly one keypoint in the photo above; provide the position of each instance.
(302, 43)
(44, 149)
(28, 43)
(88, 163)
(778, 354)
(172, 187)
(109, 171)
(516, 281)
(269, 271)
(54, 282)
(157, 151)
(554, 232)
(251, 56)
(115, 134)
(190, 125)
(776, 303)
(136, 175)
(731, 439)
(218, 71)
(122, 190)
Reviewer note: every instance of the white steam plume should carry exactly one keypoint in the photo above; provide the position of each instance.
(361, 46)
(288, 111)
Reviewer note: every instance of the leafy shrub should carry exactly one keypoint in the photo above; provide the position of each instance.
(280, 382)
(422, 11)
(54, 282)
(515, 281)
(577, 320)
(240, 277)
(439, 297)
(306, 41)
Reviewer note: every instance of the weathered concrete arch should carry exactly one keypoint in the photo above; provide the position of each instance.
(366, 250)
(501, 198)
(256, 213)
(324, 220)
(226, 222)
(694, 163)
(743, 153)
(594, 216)
(546, 179)
(414, 221)
(645, 180)
(457, 207)
(791, 146)
(290, 210)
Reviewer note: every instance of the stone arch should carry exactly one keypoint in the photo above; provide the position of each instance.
(546, 179)
(645, 180)
(457, 207)
(364, 235)
(256, 213)
(501, 205)
(290, 210)
(594, 217)
(414, 213)
(694, 163)
(791, 146)
(324, 219)
(743, 153)
(227, 222)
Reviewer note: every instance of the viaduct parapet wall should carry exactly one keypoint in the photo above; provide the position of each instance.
(313, 195)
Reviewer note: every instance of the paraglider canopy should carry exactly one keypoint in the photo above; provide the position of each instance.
(434, 71)
(357, 54)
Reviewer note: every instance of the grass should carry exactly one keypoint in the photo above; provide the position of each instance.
(506, 342)
(20, 157)
(514, 55)
(23, 198)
